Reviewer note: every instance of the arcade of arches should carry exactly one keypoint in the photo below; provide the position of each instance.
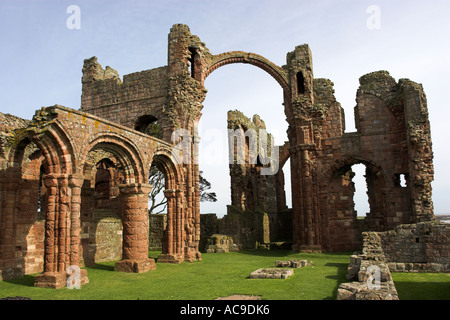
(65, 170)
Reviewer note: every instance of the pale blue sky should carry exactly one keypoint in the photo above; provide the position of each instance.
(41, 59)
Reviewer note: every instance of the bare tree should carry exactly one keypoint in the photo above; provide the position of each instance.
(205, 185)
(158, 202)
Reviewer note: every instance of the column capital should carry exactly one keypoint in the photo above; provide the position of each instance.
(135, 188)
(50, 180)
(302, 147)
(76, 180)
(170, 193)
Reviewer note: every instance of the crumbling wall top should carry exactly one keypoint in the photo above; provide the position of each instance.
(92, 70)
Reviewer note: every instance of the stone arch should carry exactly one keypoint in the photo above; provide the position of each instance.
(20, 211)
(44, 159)
(100, 208)
(250, 58)
(55, 144)
(149, 124)
(170, 170)
(174, 239)
(341, 229)
(17, 154)
(374, 172)
(350, 161)
(126, 153)
(373, 108)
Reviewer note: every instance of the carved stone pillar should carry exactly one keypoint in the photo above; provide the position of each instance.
(75, 183)
(172, 243)
(306, 220)
(51, 278)
(134, 199)
(62, 225)
(62, 230)
(51, 184)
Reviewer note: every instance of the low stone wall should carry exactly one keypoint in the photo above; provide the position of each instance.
(420, 247)
(293, 263)
(271, 273)
(369, 273)
(209, 225)
(219, 243)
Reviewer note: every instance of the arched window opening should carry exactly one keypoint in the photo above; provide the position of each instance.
(193, 61)
(401, 180)
(104, 185)
(149, 125)
(287, 183)
(300, 83)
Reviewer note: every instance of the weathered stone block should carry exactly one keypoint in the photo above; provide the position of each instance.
(134, 266)
(293, 263)
(271, 273)
(54, 280)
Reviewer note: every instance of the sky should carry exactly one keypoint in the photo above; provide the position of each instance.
(42, 48)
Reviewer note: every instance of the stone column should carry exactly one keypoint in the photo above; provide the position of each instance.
(63, 220)
(75, 183)
(134, 199)
(171, 205)
(195, 220)
(171, 246)
(62, 231)
(54, 275)
(306, 220)
(51, 184)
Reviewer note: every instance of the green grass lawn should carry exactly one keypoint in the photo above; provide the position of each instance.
(422, 286)
(217, 275)
(221, 275)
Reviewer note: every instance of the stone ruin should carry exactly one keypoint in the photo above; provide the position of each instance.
(421, 247)
(220, 243)
(293, 263)
(283, 270)
(271, 273)
(65, 171)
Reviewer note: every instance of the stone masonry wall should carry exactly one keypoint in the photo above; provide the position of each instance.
(392, 125)
(209, 225)
(421, 247)
(369, 273)
(157, 225)
(140, 94)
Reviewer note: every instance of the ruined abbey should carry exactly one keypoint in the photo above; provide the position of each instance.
(67, 170)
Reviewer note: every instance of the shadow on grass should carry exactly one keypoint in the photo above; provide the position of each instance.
(341, 270)
(339, 276)
(107, 266)
(423, 290)
(26, 280)
(267, 253)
